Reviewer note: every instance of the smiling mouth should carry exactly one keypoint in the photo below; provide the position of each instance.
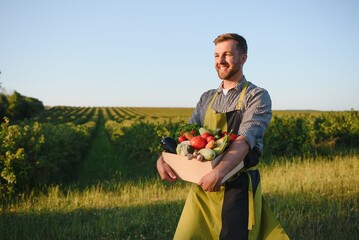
(222, 67)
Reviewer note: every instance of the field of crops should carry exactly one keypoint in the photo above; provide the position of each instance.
(89, 173)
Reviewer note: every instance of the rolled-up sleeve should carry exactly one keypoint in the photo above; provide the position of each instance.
(257, 113)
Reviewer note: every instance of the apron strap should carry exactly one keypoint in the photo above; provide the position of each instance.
(250, 198)
(250, 193)
(214, 97)
(241, 97)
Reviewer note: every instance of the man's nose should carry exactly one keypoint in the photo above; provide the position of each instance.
(222, 59)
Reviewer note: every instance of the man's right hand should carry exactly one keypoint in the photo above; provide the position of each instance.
(165, 170)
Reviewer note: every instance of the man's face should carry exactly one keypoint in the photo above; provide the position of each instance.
(228, 60)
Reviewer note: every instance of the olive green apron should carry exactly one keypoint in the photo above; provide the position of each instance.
(202, 216)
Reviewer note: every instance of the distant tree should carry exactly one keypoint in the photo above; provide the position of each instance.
(33, 106)
(17, 106)
(4, 105)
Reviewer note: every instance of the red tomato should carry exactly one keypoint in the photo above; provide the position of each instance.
(193, 132)
(198, 142)
(209, 138)
(233, 136)
(206, 134)
(181, 139)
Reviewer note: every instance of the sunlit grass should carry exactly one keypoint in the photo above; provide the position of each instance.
(102, 196)
(336, 178)
(314, 199)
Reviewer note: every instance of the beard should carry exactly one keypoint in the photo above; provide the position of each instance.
(228, 74)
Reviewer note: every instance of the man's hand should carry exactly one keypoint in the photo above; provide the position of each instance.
(212, 181)
(233, 156)
(165, 171)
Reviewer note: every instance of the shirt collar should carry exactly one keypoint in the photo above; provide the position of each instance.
(238, 87)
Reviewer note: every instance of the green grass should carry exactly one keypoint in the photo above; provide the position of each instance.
(313, 200)
(143, 211)
(105, 163)
(102, 162)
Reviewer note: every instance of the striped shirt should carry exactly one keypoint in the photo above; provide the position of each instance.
(256, 110)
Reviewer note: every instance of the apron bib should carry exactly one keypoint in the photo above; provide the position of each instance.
(237, 210)
(225, 121)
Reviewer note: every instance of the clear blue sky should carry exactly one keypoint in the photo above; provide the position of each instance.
(160, 53)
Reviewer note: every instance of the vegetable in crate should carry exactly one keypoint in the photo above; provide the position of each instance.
(184, 148)
(169, 144)
(221, 144)
(208, 154)
(198, 142)
(203, 130)
(187, 128)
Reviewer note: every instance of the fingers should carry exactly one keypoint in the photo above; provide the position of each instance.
(209, 189)
(169, 171)
(209, 185)
(165, 171)
(212, 189)
(205, 186)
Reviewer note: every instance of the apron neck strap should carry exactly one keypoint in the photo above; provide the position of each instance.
(241, 97)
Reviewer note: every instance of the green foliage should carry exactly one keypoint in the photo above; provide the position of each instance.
(34, 154)
(63, 150)
(19, 107)
(311, 135)
(185, 128)
(4, 104)
(19, 152)
(140, 143)
(51, 149)
(308, 195)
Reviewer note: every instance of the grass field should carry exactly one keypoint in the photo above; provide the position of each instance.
(313, 199)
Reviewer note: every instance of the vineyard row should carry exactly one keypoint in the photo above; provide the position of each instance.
(49, 148)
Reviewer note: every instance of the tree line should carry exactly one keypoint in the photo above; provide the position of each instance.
(18, 107)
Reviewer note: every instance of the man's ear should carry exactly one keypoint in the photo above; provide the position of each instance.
(243, 58)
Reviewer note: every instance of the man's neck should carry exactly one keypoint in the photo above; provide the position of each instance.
(231, 83)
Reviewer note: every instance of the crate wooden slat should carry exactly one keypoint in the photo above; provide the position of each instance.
(193, 170)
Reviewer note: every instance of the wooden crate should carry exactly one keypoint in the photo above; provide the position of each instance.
(193, 170)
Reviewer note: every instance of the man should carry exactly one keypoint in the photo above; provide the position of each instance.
(235, 209)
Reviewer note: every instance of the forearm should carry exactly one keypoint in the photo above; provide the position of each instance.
(233, 156)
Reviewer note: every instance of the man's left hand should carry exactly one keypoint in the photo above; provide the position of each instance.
(211, 182)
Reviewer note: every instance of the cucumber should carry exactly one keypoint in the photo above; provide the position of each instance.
(208, 154)
(222, 144)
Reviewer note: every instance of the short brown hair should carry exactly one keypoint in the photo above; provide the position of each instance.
(241, 41)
